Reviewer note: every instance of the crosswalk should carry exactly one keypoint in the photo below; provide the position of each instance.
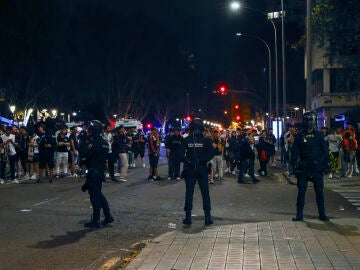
(347, 188)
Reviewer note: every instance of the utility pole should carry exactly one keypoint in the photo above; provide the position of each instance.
(283, 57)
(308, 55)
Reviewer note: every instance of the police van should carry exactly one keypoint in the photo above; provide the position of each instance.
(129, 123)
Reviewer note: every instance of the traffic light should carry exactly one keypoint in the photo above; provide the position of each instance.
(238, 118)
(149, 125)
(222, 90)
(236, 107)
(188, 118)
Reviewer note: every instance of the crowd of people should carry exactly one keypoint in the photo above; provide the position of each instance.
(56, 153)
(342, 145)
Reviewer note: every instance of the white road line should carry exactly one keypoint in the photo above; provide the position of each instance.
(347, 191)
(45, 201)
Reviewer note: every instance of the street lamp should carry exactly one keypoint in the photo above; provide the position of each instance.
(270, 72)
(235, 5)
(12, 110)
(54, 113)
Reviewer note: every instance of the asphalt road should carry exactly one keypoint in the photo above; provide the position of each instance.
(42, 224)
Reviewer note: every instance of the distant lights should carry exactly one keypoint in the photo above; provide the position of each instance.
(235, 5)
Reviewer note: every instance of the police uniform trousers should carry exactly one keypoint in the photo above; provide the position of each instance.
(174, 165)
(97, 199)
(200, 175)
(302, 182)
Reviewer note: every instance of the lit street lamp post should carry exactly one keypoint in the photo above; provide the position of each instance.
(12, 110)
(235, 5)
(270, 72)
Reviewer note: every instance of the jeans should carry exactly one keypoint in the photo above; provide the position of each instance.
(124, 164)
(62, 158)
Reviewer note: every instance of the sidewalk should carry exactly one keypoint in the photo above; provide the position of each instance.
(311, 244)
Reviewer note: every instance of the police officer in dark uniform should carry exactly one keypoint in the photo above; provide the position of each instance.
(197, 152)
(95, 154)
(311, 156)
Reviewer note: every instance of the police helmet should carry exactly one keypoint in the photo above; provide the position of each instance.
(197, 124)
(95, 127)
(310, 119)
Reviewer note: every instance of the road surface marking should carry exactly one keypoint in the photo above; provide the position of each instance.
(45, 201)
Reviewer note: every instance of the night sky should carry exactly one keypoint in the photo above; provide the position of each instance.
(77, 54)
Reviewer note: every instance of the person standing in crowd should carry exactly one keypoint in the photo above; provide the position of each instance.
(74, 150)
(271, 140)
(263, 153)
(62, 155)
(122, 145)
(246, 158)
(198, 151)
(95, 155)
(33, 153)
(47, 148)
(226, 150)
(217, 160)
(311, 156)
(174, 147)
(23, 147)
(82, 139)
(108, 137)
(350, 146)
(289, 138)
(139, 147)
(334, 141)
(351, 130)
(154, 154)
(282, 148)
(130, 134)
(9, 145)
(167, 148)
(233, 149)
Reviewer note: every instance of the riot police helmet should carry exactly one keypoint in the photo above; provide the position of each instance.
(310, 120)
(197, 125)
(95, 127)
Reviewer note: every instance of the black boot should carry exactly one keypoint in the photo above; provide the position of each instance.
(208, 220)
(92, 224)
(187, 220)
(297, 219)
(107, 220)
(324, 217)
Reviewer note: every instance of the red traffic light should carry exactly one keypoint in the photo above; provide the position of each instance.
(236, 107)
(188, 118)
(238, 118)
(148, 125)
(222, 89)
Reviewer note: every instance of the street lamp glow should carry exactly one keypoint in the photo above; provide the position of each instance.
(238, 34)
(235, 5)
(54, 112)
(296, 108)
(12, 108)
(74, 113)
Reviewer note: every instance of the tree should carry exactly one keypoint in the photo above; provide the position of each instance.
(336, 28)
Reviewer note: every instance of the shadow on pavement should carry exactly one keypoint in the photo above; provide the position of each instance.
(345, 230)
(61, 240)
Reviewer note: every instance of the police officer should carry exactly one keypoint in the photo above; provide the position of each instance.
(311, 156)
(95, 154)
(197, 152)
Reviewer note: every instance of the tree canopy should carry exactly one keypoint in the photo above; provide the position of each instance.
(336, 28)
